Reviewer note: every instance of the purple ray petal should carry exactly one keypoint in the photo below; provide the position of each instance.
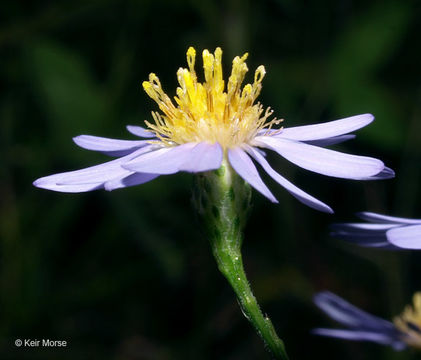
(368, 235)
(157, 162)
(103, 172)
(244, 167)
(112, 147)
(260, 151)
(291, 188)
(363, 228)
(386, 173)
(384, 245)
(376, 240)
(87, 179)
(131, 180)
(374, 217)
(203, 157)
(90, 178)
(348, 314)
(140, 131)
(406, 237)
(327, 129)
(74, 188)
(322, 161)
(192, 157)
(358, 335)
(331, 141)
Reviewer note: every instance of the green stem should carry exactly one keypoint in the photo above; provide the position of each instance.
(223, 199)
(230, 263)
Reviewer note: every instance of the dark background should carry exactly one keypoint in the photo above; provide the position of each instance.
(128, 275)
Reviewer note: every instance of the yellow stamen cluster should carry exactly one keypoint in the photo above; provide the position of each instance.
(206, 111)
(409, 322)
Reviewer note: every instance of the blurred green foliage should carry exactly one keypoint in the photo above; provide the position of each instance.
(128, 275)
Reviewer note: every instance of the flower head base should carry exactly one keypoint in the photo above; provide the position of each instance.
(207, 111)
(409, 322)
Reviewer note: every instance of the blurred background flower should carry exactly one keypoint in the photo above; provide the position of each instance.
(381, 231)
(361, 326)
(128, 275)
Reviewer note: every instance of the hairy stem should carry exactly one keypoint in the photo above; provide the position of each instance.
(223, 200)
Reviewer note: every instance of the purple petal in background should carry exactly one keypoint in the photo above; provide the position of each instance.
(327, 129)
(291, 188)
(348, 314)
(406, 237)
(363, 228)
(112, 147)
(331, 141)
(383, 231)
(322, 161)
(374, 237)
(357, 335)
(374, 217)
(131, 180)
(140, 131)
(244, 167)
(363, 326)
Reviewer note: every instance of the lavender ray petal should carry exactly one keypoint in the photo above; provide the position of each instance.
(377, 245)
(72, 188)
(244, 167)
(374, 217)
(373, 241)
(154, 162)
(357, 335)
(406, 237)
(322, 161)
(92, 175)
(331, 141)
(260, 151)
(103, 172)
(349, 315)
(299, 194)
(360, 237)
(193, 157)
(90, 178)
(203, 157)
(382, 246)
(327, 129)
(385, 174)
(362, 227)
(367, 235)
(140, 131)
(112, 147)
(131, 180)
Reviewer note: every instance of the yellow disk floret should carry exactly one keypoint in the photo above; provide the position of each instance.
(207, 111)
(409, 322)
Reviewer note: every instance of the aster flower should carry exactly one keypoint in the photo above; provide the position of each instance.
(405, 330)
(214, 122)
(381, 231)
